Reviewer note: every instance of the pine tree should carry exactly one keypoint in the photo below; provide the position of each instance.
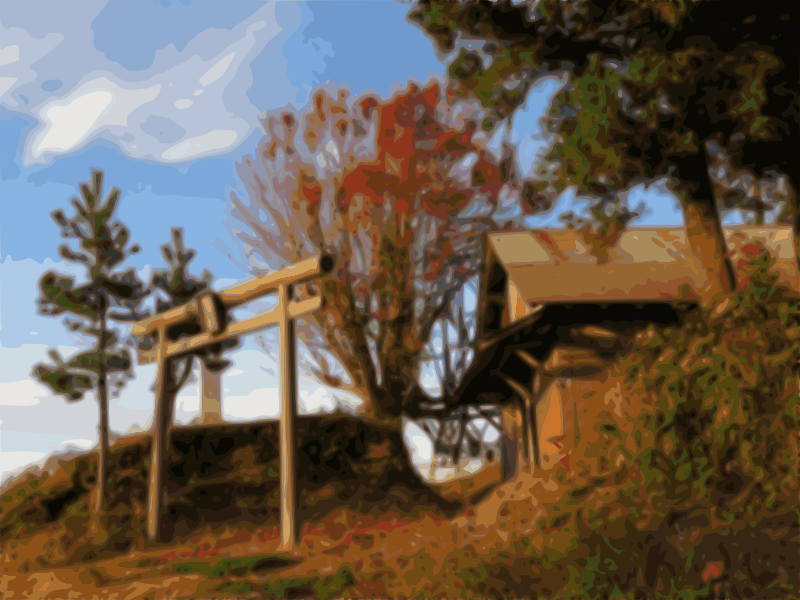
(176, 286)
(107, 293)
(172, 287)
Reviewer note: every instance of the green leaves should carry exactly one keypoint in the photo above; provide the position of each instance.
(58, 294)
(175, 286)
(104, 242)
(653, 83)
(63, 381)
(101, 246)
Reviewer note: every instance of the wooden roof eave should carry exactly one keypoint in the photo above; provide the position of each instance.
(492, 357)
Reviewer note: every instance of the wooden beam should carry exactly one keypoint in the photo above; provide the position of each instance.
(483, 344)
(273, 317)
(288, 444)
(517, 387)
(574, 362)
(528, 359)
(173, 315)
(268, 284)
(540, 383)
(530, 432)
(529, 421)
(244, 292)
(598, 332)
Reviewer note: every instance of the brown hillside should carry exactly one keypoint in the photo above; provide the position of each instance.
(217, 475)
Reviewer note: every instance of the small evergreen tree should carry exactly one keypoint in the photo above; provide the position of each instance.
(172, 287)
(176, 286)
(107, 293)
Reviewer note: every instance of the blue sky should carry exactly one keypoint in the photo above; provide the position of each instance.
(165, 96)
(166, 114)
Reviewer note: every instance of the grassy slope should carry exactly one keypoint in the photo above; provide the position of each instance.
(608, 522)
(224, 476)
(530, 536)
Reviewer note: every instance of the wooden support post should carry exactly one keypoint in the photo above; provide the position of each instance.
(539, 386)
(159, 438)
(530, 410)
(530, 428)
(288, 444)
(511, 447)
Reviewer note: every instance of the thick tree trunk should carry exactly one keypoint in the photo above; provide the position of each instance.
(707, 241)
(704, 228)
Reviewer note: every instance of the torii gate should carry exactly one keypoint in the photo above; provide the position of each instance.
(209, 313)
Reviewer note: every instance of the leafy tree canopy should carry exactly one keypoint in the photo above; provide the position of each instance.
(651, 84)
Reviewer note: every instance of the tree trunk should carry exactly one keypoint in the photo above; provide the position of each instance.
(707, 241)
(102, 399)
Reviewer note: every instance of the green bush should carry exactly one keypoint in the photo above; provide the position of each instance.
(724, 424)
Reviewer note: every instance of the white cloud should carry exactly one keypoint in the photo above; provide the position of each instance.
(18, 58)
(318, 400)
(218, 70)
(22, 393)
(216, 140)
(96, 104)
(72, 121)
(111, 107)
(12, 463)
(259, 404)
(80, 443)
(189, 402)
(9, 54)
(6, 83)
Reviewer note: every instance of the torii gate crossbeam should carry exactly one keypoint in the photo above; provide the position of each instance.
(210, 313)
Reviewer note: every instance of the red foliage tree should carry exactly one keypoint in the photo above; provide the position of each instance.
(383, 185)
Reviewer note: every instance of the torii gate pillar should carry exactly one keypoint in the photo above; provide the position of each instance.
(288, 444)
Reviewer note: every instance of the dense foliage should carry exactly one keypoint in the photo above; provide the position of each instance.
(653, 90)
(713, 452)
